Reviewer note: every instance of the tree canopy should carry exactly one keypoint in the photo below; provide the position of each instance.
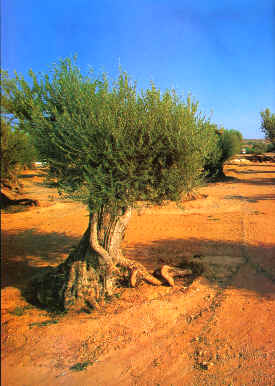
(224, 146)
(17, 152)
(268, 124)
(107, 144)
(231, 143)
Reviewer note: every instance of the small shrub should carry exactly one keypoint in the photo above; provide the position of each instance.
(18, 311)
(80, 366)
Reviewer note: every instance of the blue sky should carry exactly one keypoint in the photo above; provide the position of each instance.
(220, 51)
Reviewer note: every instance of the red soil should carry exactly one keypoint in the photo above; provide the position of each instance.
(220, 331)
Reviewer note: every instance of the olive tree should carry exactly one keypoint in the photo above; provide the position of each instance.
(224, 145)
(109, 147)
(17, 152)
(268, 124)
(231, 143)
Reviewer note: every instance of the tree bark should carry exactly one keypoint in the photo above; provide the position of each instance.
(96, 268)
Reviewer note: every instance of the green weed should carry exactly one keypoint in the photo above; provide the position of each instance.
(19, 311)
(44, 323)
(80, 366)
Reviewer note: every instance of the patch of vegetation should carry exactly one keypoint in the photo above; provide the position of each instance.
(117, 295)
(56, 312)
(258, 148)
(19, 311)
(256, 212)
(17, 150)
(270, 148)
(155, 362)
(80, 366)
(268, 125)
(201, 366)
(44, 323)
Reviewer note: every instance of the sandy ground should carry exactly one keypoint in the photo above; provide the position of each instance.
(218, 331)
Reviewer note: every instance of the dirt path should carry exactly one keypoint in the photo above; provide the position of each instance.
(219, 331)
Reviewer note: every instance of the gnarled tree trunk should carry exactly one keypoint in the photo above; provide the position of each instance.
(95, 268)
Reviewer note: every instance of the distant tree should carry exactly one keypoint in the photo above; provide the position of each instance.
(270, 147)
(214, 164)
(268, 124)
(17, 152)
(248, 150)
(224, 145)
(109, 147)
(258, 148)
(231, 143)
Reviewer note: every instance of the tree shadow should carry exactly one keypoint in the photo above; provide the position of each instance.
(255, 181)
(266, 165)
(29, 252)
(251, 171)
(256, 198)
(34, 174)
(258, 260)
(47, 184)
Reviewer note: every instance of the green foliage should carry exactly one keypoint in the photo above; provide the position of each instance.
(270, 148)
(231, 143)
(268, 124)
(18, 311)
(108, 145)
(223, 145)
(80, 366)
(44, 323)
(17, 151)
(213, 164)
(258, 148)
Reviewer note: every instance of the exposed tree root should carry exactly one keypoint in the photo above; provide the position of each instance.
(138, 272)
(133, 278)
(165, 274)
(169, 273)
